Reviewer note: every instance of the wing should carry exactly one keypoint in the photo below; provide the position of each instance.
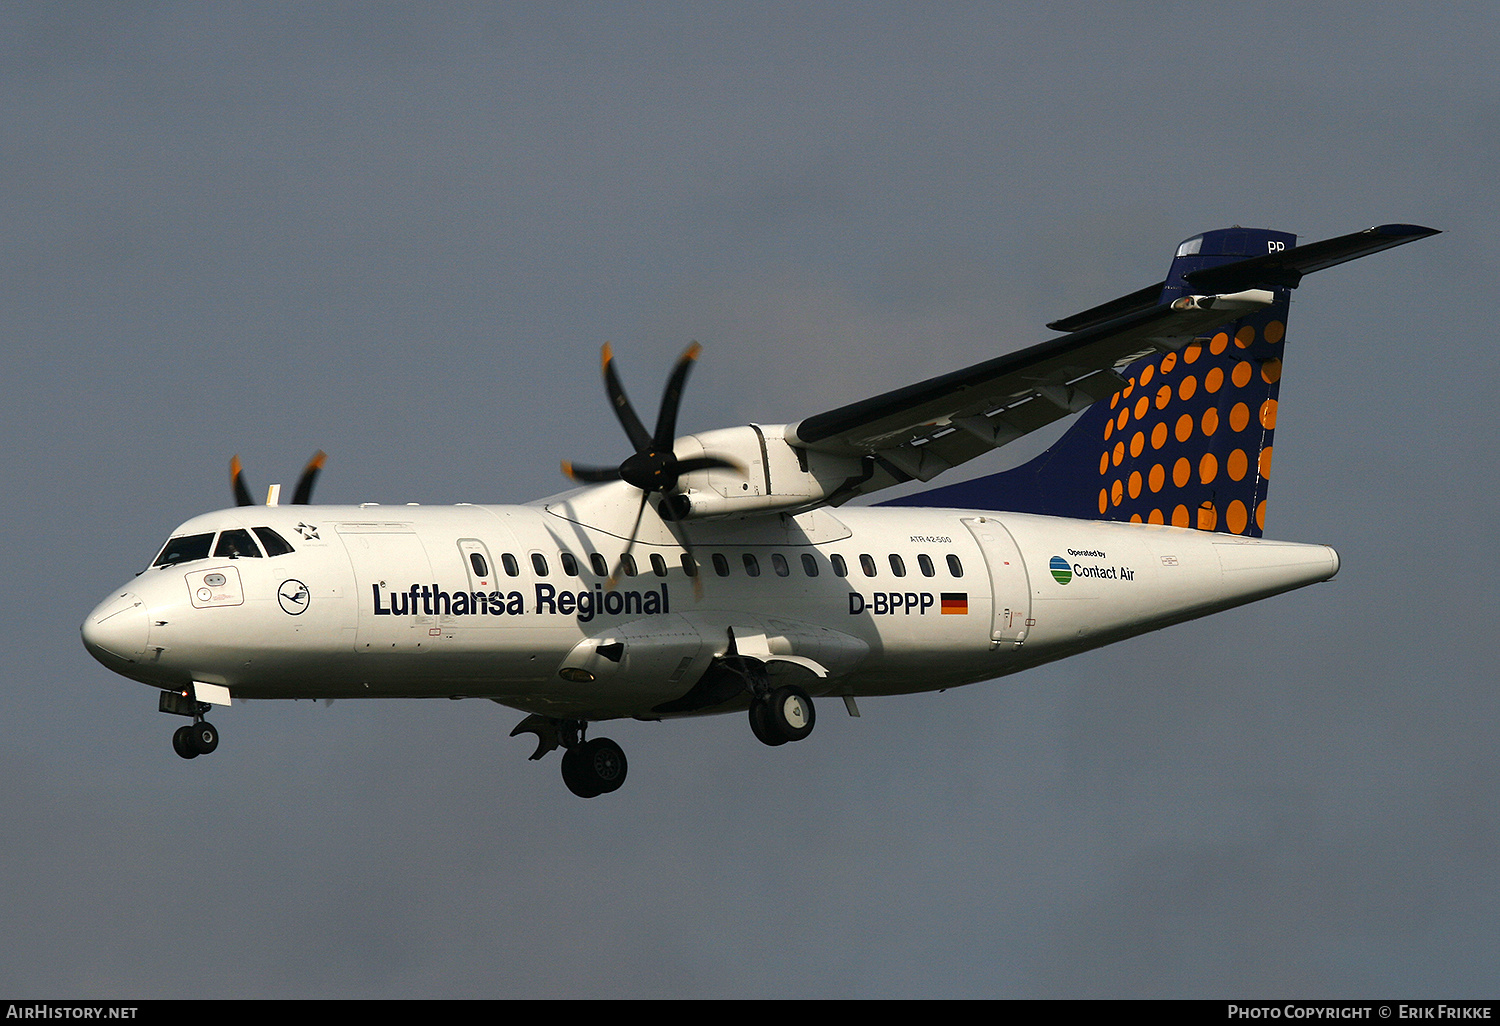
(924, 429)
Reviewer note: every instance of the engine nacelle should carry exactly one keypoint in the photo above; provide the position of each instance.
(769, 474)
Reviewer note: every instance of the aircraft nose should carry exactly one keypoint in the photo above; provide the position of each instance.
(117, 630)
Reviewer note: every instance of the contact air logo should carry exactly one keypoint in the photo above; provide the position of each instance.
(1063, 571)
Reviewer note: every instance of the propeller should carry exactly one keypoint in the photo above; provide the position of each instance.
(653, 467)
(300, 497)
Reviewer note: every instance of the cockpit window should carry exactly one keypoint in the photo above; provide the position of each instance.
(275, 544)
(185, 548)
(236, 544)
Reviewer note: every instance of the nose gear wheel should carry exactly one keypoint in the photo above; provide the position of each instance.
(200, 738)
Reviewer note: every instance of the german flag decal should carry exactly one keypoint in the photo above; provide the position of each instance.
(956, 602)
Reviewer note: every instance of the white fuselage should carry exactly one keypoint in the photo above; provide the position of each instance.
(506, 602)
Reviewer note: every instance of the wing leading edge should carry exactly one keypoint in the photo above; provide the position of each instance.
(921, 430)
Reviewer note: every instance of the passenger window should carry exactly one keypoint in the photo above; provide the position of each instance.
(840, 568)
(809, 564)
(954, 566)
(689, 565)
(599, 564)
(721, 565)
(658, 565)
(539, 564)
(627, 565)
(925, 562)
(512, 568)
(569, 564)
(867, 564)
(236, 544)
(273, 543)
(778, 563)
(181, 550)
(477, 561)
(752, 565)
(898, 565)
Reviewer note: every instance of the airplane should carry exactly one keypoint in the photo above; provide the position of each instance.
(725, 570)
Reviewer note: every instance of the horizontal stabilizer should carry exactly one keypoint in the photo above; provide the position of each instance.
(1141, 299)
(1285, 269)
(1281, 269)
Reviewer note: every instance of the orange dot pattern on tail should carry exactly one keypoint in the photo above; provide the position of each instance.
(1188, 441)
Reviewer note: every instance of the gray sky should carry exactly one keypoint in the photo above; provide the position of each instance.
(401, 233)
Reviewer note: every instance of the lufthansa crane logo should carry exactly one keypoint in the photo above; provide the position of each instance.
(293, 596)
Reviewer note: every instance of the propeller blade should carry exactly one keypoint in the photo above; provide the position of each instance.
(666, 420)
(634, 429)
(619, 567)
(589, 475)
(309, 476)
(237, 483)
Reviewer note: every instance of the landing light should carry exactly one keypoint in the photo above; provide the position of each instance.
(576, 674)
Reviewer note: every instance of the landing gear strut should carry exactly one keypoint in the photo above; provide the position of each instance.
(202, 737)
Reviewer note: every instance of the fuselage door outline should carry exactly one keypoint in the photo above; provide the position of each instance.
(1010, 584)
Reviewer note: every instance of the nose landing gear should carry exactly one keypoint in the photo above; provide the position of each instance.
(201, 737)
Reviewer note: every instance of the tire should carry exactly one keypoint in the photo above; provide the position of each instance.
(182, 743)
(761, 726)
(575, 774)
(605, 764)
(790, 713)
(205, 737)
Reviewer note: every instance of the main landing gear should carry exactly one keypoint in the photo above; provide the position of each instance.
(202, 737)
(589, 768)
(593, 767)
(777, 714)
